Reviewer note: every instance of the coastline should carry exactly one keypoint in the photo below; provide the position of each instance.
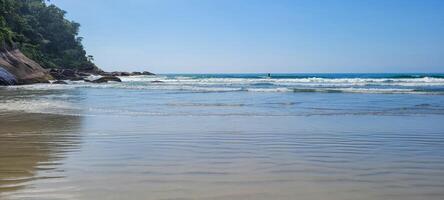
(18, 69)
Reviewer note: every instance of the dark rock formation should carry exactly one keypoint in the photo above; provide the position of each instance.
(17, 69)
(84, 74)
(60, 82)
(68, 74)
(116, 73)
(120, 74)
(105, 79)
(7, 78)
(148, 73)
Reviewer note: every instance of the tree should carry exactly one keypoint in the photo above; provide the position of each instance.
(43, 33)
(90, 58)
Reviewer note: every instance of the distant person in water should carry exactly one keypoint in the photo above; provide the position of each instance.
(269, 75)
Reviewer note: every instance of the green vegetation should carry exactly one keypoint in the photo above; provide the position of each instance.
(43, 34)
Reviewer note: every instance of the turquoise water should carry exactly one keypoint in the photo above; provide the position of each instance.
(230, 136)
(237, 95)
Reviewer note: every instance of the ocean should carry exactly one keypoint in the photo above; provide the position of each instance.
(236, 94)
(225, 136)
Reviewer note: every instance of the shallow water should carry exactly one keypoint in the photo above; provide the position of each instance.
(139, 140)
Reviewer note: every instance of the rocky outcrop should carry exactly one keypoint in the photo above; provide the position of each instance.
(148, 73)
(17, 69)
(68, 74)
(116, 73)
(78, 75)
(59, 82)
(7, 78)
(105, 79)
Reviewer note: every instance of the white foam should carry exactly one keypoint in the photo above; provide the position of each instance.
(270, 90)
(426, 81)
(37, 106)
(377, 90)
(357, 85)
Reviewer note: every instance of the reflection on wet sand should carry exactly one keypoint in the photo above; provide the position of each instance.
(32, 146)
(148, 145)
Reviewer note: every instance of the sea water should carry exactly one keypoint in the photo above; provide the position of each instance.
(225, 136)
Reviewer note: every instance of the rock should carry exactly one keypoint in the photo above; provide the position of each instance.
(147, 73)
(17, 69)
(105, 73)
(7, 78)
(70, 74)
(60, 82)
(56, 74)
(116, 73)
(67, 74)
(105, 79)
(120, 74)
(83, 74)
(77, 78)
(89, 69)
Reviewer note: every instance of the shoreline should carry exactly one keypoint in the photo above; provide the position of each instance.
(18, 69)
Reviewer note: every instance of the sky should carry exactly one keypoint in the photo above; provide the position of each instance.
(261, 36)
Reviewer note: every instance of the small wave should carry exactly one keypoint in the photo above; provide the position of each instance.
(415, 76)
(141, 78)
(206, 104)
(423, 81)
(302, 90)
(431, 90)
(247, 88)
(269, 90)
(419, 85)
(263, 84)
(341, 90)
(38, 106)
(357, 90)
(210, 89)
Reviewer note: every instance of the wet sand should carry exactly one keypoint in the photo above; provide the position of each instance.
(32, 146)
(157, 157)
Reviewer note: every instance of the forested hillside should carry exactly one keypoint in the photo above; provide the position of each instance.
(41, 31)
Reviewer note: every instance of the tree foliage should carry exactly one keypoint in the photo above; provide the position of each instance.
(42, 33)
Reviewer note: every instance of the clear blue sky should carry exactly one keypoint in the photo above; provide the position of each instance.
(232, 36)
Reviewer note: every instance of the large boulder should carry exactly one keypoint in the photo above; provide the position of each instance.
(7, 78)
(67, 74)
(120, 73)
(17, 69)
(105, 79)
(71, 74)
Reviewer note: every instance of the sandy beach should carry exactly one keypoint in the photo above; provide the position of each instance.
(47, 156)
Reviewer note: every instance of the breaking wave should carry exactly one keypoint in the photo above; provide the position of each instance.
(232, 95)
(402, 84)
